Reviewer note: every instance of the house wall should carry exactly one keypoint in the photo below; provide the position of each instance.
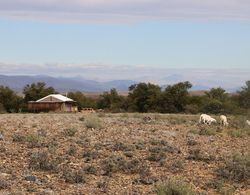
(51, 106)
(44, 107)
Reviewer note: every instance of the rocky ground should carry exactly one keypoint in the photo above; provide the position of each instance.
(121, 154)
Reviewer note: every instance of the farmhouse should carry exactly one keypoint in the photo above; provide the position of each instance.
(54, 103)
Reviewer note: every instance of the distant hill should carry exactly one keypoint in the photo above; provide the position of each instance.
(62, 84)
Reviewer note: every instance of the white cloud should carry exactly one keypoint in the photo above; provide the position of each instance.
(117, 11)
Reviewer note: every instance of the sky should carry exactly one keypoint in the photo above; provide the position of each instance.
(169, 34)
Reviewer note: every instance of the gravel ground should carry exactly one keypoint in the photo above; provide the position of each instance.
(115, 153)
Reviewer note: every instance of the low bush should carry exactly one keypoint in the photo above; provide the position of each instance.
(174, 187)
(72, 150)
(33, 141)
(239, 132)
(198, 155)
(3, 184)
(81, 119)
(73, 176)
(90, 155)
(16, 137)
(90, 169)
(117, 163)
(94, 122)
(70, 132)
(221, 187)
(236, 168)
(42, 161)
(119, 146)
(207, 132)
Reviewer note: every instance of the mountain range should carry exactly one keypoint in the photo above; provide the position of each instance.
(65, 84)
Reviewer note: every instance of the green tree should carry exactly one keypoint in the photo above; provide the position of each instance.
(82, 100)
(9, 100)
(244, 96)
(111, 101)
(144, 97)
(213, 106)
(217, 94)
(217, 101)
(37, 91)
(175, 97)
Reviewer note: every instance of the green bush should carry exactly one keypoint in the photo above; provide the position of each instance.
(94, 122)
(33, 140)
(174, 187)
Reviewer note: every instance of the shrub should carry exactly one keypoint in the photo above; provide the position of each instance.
(93, 122)
(221, 187)
(72, 150)
(207, 132)
(236, 168)
(81, 119)
(239, 132)
(119, 146)
(177, 166)
(157, 156)
(198, 155)
(174, 187)
(16, 137)
(70, 132)
(117, 163)
(3, 184)
(239, 122)
(90, 169)
(113, 164)
(33, 141)
(42, 161)
(73, 176)
(90, 155)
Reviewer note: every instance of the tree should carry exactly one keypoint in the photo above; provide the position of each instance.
(144, 97)
(217, 101)
(82, 100)
(9, 100)
(111, 101)
(244, 96)
(213, 106)
(37, 91)
(217, 94)
(175, 97)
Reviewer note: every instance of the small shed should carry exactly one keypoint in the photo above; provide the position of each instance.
(54, 103)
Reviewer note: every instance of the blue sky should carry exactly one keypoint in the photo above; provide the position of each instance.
(163, 34)
(163, 44)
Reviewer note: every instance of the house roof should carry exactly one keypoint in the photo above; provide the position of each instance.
(59, 97)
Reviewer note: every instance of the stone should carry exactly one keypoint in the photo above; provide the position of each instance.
(30, 178)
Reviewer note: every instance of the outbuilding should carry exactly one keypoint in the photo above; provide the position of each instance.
(54, 103)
